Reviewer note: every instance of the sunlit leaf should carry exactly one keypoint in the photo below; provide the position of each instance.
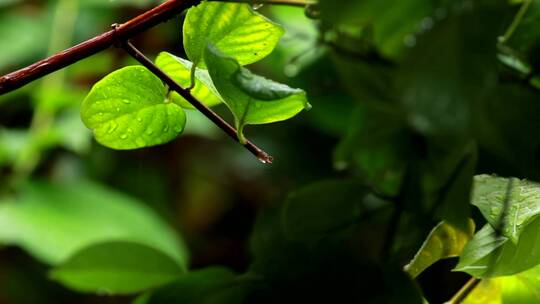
(489, 196)
(444, 241)
(252, 99)
(234, 28)
(130, 108)
(116, 268)
(180, 70)
(522, 288)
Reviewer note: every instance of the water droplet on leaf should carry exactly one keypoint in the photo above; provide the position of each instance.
(112, 128)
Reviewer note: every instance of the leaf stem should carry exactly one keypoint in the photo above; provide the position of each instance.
(297, 3)
(462, 294)
(220, 122)
(515, 23)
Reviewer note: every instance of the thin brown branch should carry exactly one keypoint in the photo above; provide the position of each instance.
(462, 294)
(297, 3)
(216, 119)
(95, 45)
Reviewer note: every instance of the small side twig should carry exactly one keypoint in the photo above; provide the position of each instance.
(137, 55)
(462, 294)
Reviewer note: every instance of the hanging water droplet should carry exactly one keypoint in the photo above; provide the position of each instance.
(257, 6)
(308, 106)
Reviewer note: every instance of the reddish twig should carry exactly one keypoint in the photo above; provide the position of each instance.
(95, 45)
(260, 154)
(119, 36)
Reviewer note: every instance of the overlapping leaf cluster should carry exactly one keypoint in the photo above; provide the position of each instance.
(131, 108)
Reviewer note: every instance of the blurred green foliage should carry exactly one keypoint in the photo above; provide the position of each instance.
(411, 100)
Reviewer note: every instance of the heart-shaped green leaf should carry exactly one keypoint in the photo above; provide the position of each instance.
(130, 109)
(117, 268)
(252, 99)
(234, 28)
(489, 196)
(179, 69)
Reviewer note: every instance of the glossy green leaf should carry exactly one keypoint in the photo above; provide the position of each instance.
(524, 202)
(53, 221)
(252, 99)
(210, 285)
(444, 241)
(234, 28)
(130, 108)
(179, 69)
(116, 268)
(487, 255)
